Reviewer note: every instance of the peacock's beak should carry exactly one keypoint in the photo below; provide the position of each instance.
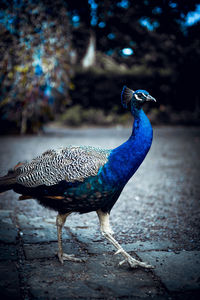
(150, 98)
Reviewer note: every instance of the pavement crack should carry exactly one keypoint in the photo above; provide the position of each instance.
(23, 284)
(82, 245)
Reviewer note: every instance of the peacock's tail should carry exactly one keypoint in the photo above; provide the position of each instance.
(7, 182)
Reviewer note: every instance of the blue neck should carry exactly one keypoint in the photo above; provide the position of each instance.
(125, 159)
(142, 130)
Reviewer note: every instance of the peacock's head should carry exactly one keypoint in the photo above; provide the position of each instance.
(136, 98)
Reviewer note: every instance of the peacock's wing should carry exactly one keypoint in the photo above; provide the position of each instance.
(72, 164)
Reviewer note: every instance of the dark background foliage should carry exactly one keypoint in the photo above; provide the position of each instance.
(143, 44)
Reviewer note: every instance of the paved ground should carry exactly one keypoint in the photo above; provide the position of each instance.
(156, 219)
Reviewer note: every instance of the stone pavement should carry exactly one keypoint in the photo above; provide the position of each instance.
(156, 219)
(29, 268)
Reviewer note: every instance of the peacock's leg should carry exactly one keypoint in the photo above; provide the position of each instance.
(107, 232)
(60, 221)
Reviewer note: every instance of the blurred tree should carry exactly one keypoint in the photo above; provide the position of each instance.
(132, 22)
(35, 62)
(79, 12)
(152, 39)
(147, 42)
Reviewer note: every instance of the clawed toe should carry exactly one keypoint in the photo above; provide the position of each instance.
(135, 264)
(69, 257)
(145, 265)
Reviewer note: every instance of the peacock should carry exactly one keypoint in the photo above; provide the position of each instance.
(84, 179)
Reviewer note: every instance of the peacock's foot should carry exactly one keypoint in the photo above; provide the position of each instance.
(133, 263)
(70, 257)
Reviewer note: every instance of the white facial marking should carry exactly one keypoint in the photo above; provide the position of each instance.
(137, 97)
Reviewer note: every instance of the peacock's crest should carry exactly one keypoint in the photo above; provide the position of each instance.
(126, 96)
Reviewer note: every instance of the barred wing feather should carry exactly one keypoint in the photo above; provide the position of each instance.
(71, 164)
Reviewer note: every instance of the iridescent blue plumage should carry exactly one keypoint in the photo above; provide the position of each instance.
(125, 159)
(141, 91)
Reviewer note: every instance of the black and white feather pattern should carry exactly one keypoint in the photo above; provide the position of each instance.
(71, 164)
